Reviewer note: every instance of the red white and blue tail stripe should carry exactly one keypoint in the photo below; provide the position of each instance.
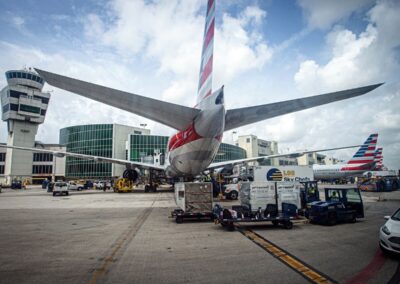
(378, 159)
(366, 153)
(206, 66)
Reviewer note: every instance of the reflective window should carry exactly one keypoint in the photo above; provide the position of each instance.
(27, 108)
(29, 76)
(18, 74)
(23, 75)
(2, 157)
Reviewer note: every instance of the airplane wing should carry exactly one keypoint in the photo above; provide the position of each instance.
(87, 157)
(242, 116)
(261, 158)
(173, 115)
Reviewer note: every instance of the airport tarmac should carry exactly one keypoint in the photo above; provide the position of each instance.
(105, 237)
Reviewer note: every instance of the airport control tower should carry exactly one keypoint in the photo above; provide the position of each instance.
(24, 107)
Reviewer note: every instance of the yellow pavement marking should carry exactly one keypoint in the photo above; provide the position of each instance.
(302, 268)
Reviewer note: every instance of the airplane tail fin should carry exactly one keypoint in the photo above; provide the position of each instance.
(378, 160)
(366, 153)
(206, 65)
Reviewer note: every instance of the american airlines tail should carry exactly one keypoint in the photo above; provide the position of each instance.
(206, 64)
(378, 160)
(365, 154)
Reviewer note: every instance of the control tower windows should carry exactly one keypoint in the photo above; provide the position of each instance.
(28, 108)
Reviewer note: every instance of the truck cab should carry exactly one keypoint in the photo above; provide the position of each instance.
(340, 205)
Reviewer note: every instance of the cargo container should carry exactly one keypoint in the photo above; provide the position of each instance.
(194, 199)
(257, 195)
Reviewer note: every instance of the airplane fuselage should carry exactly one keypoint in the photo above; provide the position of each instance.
(191, 151)
(338, 171)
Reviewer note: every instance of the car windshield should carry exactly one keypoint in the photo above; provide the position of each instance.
(396, 215)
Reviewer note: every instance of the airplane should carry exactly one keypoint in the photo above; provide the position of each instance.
(362, 161)
(192, 150)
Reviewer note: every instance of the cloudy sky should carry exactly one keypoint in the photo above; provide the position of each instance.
(265, 51)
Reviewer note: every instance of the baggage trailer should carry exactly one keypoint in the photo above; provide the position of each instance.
(240, 214)
(195, 201)
(275, 202)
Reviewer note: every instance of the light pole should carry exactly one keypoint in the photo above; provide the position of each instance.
(233, 139)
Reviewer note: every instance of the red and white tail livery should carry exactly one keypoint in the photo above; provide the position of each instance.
(363, 160)
(206, 64)
(365, 156)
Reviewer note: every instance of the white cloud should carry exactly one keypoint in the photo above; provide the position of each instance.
(322, 14)
(171, 32)
(367, 58)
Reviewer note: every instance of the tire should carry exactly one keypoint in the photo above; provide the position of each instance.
(54, 194)
(353, 218)
(288, 225)
(67, 193)
(332, 220)
(146, 189)
(233, 195)
(275, 223)
(179, 219)
(79, 188)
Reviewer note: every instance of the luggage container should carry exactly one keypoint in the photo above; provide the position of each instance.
(257, 195)
(194, 199)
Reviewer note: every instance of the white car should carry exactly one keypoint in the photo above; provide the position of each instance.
(74, 186)
(60, 187)
(389, 234)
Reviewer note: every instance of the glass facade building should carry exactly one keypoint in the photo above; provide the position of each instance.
(227, 152)
(143, 146)
(97, 140)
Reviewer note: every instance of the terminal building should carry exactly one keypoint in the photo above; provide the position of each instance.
(255, 147)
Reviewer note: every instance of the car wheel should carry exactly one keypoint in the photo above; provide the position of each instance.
(67, 193)
(179, 219)
(54, 194)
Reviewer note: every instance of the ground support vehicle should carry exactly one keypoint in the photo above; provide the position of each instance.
(60, 188)
(275, 202)
(379, 183)
(195, 201)
(179, 215)
(308, 193)
(341, 204)
(229, 218)
(122, 185)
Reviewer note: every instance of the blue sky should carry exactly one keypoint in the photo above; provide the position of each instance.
(265, 51)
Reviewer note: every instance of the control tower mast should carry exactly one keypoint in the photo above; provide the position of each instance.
(24, 107)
